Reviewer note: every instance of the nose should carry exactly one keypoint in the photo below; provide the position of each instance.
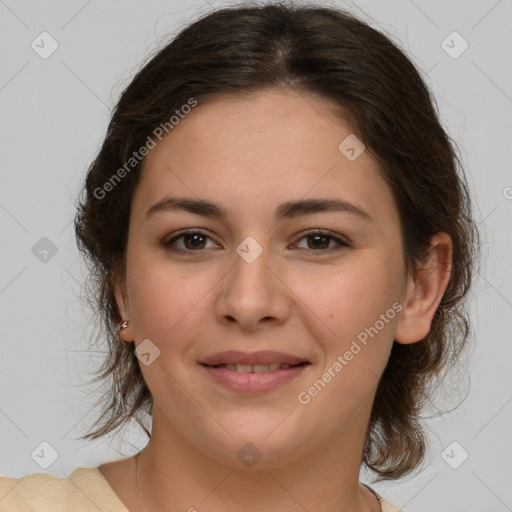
(254, 294)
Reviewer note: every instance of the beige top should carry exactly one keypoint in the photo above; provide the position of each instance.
(85, 490)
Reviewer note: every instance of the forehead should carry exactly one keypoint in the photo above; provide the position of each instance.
(277, 144)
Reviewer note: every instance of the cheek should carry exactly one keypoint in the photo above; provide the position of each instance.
(355, 305)
(351, 298)
(163, 302)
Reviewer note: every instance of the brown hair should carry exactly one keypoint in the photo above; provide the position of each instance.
(310, 49)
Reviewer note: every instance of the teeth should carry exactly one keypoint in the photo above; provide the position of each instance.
(260, 368)
(257, 368)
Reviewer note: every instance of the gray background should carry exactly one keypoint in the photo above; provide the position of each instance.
(54, 114)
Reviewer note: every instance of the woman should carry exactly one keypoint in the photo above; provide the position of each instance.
(281, 242)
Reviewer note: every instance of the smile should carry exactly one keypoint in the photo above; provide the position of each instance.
(253, 372)
(257, 368)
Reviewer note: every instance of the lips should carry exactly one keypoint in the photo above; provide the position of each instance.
(257, 368)
(254, 372)
(235, 357)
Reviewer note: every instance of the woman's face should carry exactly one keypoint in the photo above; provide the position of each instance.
(257, 283)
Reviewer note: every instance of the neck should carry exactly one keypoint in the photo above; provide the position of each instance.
(171, 476)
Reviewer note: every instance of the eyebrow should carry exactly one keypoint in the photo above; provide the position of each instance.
(286, 210)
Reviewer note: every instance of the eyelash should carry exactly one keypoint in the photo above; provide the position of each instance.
(314, 232)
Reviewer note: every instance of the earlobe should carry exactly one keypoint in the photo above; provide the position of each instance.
(125, 328)
(125, 331)
(126, 334)
(425, 291)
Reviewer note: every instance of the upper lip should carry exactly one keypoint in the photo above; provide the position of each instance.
(252, 358)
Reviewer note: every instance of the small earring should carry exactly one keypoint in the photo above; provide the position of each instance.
(123, 325)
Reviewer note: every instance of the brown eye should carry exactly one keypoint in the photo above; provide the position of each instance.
(187, 241)
(320, 241)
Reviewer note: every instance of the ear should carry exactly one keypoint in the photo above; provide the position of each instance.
(425, 290)
(123, 305)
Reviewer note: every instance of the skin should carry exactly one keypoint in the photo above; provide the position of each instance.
(250, 154)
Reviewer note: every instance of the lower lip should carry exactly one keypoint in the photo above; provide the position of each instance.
(254, 382)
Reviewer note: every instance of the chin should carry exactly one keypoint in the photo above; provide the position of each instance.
(255, 444)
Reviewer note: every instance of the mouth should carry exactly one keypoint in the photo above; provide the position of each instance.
(255, 372)
(258, 368)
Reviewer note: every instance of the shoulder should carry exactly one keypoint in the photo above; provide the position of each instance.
(388, 507)
(385, 505)
(85, 490)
